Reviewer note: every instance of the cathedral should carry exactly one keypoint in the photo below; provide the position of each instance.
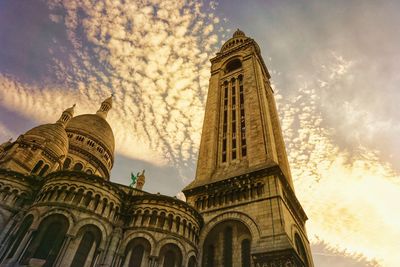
(58, 206)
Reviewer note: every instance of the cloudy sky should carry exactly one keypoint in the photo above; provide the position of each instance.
(335, 67)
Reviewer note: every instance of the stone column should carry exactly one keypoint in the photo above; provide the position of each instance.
(99, 207)
(91, 204)
(23, 245)
(127, 258)
(63, 249)
(237, 253)
(138, 219)
(106, 210)
(70, 250)
(90, 256)
(5, 233)
(62, 196)
(115, 237)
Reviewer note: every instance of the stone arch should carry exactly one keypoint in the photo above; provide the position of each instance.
(136, 234)
(230, 59)
(137, 251)
(227, 231)
(297, 233)
(228, 216)
(87, 221)
(36, 215)
(171, 255)
(86, 243)
(70, 217)
(295, 229)
(170, 240)
(47, 243)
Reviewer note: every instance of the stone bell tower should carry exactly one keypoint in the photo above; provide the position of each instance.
(243, 186)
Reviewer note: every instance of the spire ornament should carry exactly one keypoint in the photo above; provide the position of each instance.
(66, 115)
(106, 105)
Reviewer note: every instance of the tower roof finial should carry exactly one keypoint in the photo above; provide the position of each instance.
(106, 105)
(66, 115)
(238, 33)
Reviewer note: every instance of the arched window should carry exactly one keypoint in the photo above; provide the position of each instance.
(44, 170)
(37, 166)
(171, 255)
(245, 253)
(136, 252)
(78, 167)
(87, 250)
(300, 249)
(222, 239)
(83, 250)
(89, 171)
(48, 240)
(233, 65)
(66, 164)
(228, 247)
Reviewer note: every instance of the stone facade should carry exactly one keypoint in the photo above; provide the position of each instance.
(59, 208)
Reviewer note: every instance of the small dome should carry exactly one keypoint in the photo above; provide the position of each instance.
(52, 136)
(94, 126)
(238, 33)
(238, 39)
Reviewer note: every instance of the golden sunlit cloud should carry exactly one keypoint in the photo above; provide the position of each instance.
(351, 197)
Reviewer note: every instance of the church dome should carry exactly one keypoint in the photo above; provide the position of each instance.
(91, 142)
(95, 127)
(51, 136)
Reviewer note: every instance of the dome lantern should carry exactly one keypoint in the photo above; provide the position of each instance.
(106, 105)
(66, 116)
(239, 33)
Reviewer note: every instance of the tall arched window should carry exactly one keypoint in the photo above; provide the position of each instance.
(37, 166)
(44, 170)
(83, 250)
(224, 241)
(48, 240)
(245, 247)
(136, 252)
(171, 255)
(78, 166)
(87, 249)
(300, 249)
(228, 247)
